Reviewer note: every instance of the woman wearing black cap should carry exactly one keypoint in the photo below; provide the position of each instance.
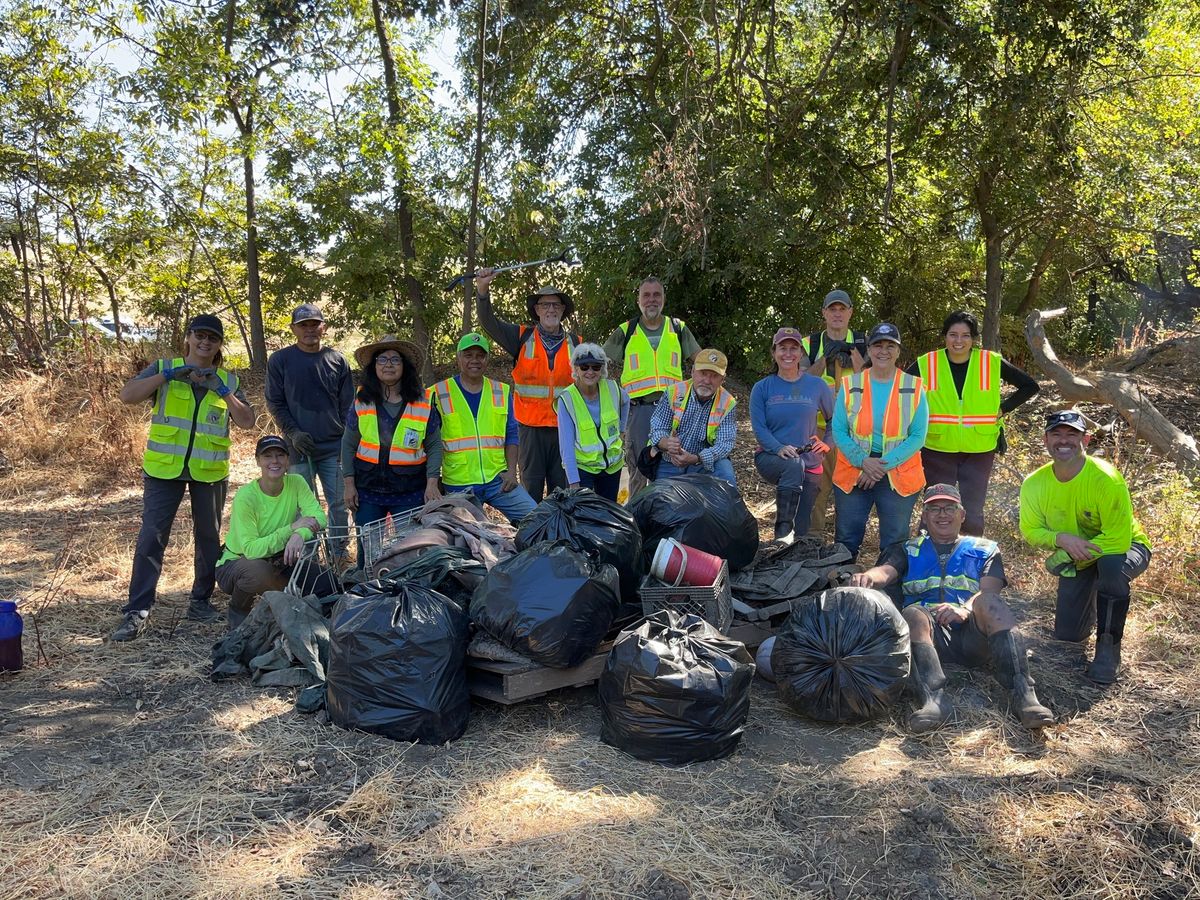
(187, 449)
(272, 517)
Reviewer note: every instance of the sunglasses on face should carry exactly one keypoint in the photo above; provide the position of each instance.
(590, 367)
(207, 336)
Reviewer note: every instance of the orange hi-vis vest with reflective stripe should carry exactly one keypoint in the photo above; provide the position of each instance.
(646, 370)
(902, 402)
(472, 446)
(536, 385)
(967, 424)
(408, 440)
(678, 396)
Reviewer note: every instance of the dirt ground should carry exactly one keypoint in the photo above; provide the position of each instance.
(127, 773)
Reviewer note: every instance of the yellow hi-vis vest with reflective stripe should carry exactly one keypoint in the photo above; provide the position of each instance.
(597, 449)
(408, 440)
(178, 421)
(472, 446)
(646, 370)
(970, 424)
(678, 396)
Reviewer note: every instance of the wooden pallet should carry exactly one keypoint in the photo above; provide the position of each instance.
(511, 682)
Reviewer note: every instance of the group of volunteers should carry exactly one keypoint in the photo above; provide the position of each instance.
(837, 417)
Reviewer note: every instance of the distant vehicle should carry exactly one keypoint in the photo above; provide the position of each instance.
(106, 327)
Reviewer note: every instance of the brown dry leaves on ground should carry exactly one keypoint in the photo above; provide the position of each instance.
(126, 773)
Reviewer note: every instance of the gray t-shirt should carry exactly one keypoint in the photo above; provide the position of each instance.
(614, 347)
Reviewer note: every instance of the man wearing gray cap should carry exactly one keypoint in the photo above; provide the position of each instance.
(309, 390)
(832, 353)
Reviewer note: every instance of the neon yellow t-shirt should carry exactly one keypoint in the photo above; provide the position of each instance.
(260, 525)
(1094, 505)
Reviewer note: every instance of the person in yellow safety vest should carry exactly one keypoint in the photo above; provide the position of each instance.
(392, 442)
(479, 433)
(879, 422)
(541, 355)
(591, 418)
(187, 449)
(693, 425)
(962, 385)
(831, 354)
(651, 350)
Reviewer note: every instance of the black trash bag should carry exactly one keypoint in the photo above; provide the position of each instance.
(701, 511)
(591, 524)
(397, 663)
(550, 603)
(842, 656)
(675, 691)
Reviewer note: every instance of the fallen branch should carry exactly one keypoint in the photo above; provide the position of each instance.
(1117, 390)
(1146, 354)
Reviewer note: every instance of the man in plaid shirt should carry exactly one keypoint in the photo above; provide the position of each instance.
(693, 424)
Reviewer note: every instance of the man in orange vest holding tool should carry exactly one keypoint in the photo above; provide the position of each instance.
(541, 371)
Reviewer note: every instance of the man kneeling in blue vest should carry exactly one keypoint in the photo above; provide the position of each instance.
(948, 586)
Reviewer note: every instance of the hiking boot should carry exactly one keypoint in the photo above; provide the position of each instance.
(131, 626)
(1012, 671)
(1106, 662)
(926, 681)
(202, 611)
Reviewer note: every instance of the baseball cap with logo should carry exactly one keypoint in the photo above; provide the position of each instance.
(1069, 417)
(786, 333)
(474, 339)
(884, 331)
(942, 492)
(710, 361)
(837, 296)
(206, 322)
(266, 442)
(307, 312)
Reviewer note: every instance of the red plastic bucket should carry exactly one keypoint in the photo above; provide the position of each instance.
(677, 564)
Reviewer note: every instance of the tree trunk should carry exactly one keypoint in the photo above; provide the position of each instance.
(1117, 390)
(476, 166)
(993, 247)
(21, 248)
(258, 341)
(400, 197)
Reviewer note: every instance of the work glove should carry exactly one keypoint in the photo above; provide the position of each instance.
(212, 381)
(304, 443)
(179, 373)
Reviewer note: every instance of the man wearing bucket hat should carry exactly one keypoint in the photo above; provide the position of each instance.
(948, 586)
(1079, 507)
(309, 389)
(479, 433)
(651, 350)
(693, 426)
(541, 372)
(831, 354)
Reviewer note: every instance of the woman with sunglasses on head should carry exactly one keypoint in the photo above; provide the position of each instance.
(392, 445)
(187, 449)
(592, 413)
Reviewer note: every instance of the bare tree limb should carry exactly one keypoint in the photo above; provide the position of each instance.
(1119, 391)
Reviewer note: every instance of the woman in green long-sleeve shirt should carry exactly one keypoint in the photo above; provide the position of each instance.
(272, 517)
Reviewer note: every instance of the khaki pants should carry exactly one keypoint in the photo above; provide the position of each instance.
(245, 579)
(816, 525)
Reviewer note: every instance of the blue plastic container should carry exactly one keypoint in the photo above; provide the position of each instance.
(11, 628)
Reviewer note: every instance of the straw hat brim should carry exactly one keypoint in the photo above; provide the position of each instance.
(410, 351)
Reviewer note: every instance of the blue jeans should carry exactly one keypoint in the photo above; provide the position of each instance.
(606, 484)
(329, 470)
(895, 514)
(515, 504)
(722, 468)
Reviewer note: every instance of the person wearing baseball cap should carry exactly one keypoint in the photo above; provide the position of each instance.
(962, 384)
(831, 354)
(541, 353)
(693, 426)
(309, 391)
(948, 586)
(187, 450)
(651, 349)
(479, 433)
(1078, 507)
(592, 414)
(272, 518)
(784, 408)
(879, 422)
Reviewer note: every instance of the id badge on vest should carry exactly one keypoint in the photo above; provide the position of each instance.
(412, 440)
(215, 417)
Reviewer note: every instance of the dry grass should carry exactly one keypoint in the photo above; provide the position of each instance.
(129, 774)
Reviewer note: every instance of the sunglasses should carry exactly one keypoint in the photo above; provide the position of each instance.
(590, 367)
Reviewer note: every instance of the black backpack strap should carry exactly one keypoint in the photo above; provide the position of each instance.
(630, 326)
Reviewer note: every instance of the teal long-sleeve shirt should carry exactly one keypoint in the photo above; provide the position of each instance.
(845, 441)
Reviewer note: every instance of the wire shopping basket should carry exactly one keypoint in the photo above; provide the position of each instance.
(375, 537)
(317, 569)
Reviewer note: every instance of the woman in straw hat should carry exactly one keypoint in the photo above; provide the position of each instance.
(392, 446)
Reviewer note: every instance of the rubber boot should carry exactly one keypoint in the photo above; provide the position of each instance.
(1107, 661)
(787, 501)
(1012, 671)
(236, 617)
(927, 680)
